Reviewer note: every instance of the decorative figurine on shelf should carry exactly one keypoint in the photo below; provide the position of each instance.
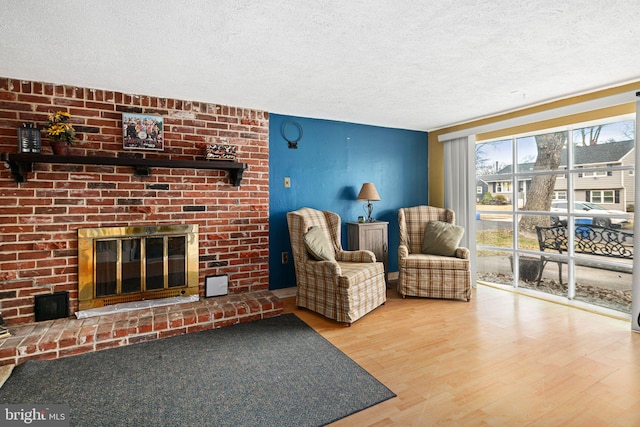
(221, 152)
(61, 134)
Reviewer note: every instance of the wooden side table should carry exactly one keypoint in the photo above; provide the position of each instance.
(372, 236)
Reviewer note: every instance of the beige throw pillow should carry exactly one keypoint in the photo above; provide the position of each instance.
(318, 245)
(441, 238)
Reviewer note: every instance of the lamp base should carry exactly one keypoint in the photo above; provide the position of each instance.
(369, 210)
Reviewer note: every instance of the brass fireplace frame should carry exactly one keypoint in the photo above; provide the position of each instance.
(87, 238)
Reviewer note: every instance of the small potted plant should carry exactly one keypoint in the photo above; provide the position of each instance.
(61, 133)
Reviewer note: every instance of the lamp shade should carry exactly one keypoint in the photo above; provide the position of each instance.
(368, 192)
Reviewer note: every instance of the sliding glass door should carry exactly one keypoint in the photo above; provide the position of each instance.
(555, 212)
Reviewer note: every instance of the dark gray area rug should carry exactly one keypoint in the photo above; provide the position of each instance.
(271, 372)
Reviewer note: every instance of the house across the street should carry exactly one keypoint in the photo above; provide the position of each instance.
(610, 187)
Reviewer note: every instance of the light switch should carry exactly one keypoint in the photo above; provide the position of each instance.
(287, 182)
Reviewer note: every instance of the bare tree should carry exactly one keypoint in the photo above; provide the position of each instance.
(484, 165)
(482, 162)
(540, 192)
(590, 135)
(629, 129)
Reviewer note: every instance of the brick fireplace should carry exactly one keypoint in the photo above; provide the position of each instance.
(39, 218)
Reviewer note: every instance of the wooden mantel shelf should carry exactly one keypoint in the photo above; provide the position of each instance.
(22, 163)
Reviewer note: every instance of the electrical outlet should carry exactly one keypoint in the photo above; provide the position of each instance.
(287, 182)
(285, 257)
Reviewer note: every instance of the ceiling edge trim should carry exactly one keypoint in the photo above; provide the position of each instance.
(578, 104)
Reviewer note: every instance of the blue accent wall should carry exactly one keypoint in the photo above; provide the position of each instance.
(332, 161)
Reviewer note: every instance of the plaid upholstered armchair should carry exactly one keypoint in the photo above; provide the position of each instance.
(428, 275)
(345, 285)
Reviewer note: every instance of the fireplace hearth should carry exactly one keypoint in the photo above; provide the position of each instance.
(125, 264)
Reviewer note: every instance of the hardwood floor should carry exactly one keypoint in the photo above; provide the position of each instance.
(502, 359)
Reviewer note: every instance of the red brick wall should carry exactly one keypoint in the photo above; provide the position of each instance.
(39, 218)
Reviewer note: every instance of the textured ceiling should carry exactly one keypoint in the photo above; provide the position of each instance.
(406, 64)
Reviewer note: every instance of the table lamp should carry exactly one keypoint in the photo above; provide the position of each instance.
(368, 192)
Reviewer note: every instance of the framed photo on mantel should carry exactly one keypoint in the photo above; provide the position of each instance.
(142, 132)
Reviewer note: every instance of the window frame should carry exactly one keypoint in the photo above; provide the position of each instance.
(570, 173)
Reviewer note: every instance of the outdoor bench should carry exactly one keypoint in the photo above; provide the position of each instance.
(588, 239)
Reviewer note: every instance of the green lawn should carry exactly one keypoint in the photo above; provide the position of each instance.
(504, 239)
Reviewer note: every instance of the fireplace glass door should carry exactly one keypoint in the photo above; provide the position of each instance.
(177, 260)
(106, 267)
(124, 264)
(131, 264)
(154, 262)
